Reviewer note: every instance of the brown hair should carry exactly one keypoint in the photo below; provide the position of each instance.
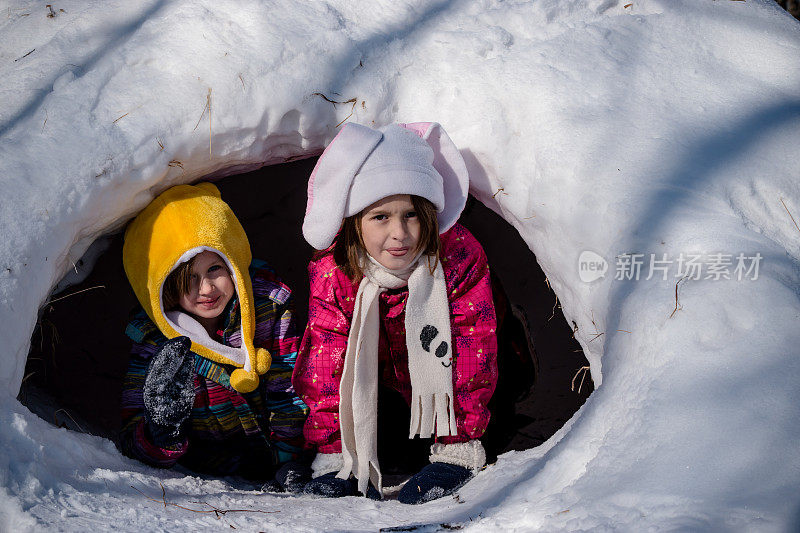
(349, 242)
(177, 284)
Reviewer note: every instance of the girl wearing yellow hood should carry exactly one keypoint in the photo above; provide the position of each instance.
(209, 378)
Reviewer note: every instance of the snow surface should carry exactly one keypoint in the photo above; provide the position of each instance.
(644, 126)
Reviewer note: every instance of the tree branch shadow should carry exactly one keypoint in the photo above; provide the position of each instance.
(339, 71)
(694, 171)
(119, 36)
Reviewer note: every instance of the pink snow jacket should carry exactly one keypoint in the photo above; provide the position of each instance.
(320, 360)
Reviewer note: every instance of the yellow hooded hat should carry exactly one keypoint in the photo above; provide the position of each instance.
(177, 225)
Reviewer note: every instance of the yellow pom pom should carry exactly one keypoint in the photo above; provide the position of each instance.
(244, 381)
(263, 360)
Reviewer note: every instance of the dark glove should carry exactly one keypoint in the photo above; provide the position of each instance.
(169, 389)
(330, 486)
(433, 481)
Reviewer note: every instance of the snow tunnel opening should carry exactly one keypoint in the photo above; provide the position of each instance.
(79, 351)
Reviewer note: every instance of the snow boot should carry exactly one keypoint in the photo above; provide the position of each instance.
(330, 486)
(293, 476)
(432, 482)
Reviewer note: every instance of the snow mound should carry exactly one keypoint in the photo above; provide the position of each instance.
(662, 128)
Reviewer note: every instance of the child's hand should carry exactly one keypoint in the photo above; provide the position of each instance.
(169, 384)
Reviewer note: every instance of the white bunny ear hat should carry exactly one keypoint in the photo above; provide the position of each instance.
(361, 166)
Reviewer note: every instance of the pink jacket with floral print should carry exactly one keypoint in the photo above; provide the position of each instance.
(472, 320)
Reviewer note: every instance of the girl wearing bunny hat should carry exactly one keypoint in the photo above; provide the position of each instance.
(401, 297)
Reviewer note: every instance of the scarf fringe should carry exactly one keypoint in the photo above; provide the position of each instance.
(369, 471)
(432, 411)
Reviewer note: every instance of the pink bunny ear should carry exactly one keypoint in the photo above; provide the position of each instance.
(420, 128)
(450, 165)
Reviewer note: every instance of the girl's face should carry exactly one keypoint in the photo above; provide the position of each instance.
(390, 230)
(210, 290)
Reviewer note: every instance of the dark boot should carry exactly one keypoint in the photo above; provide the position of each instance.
(432, 482)
(330, 486)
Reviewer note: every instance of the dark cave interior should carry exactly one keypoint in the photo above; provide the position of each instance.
(78, 354)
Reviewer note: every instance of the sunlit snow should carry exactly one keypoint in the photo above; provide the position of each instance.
(663, 128)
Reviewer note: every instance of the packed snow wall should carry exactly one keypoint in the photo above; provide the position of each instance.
(645, 129)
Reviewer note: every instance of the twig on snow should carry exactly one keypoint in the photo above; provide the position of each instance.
(678, 306)
(178, 164)
(208, 103)
(206, 108)
(790, 214)
(74, 293)
(597, 335)
(26, 55)
(345, 118)
(8, 13)
(219, 513)
(55, 419)
(553, 313)
(334, 102)
(582, 371)
(353, 101)
(222, 512)
(498, 191)
(128, 113)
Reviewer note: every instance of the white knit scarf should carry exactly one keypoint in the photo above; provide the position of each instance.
(430, 357)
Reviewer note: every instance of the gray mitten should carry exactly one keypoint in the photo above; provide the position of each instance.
(169, 389)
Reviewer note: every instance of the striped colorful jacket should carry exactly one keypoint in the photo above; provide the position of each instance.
(227, 432)
(472, 323)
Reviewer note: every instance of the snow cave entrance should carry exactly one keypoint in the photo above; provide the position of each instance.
(79, 351)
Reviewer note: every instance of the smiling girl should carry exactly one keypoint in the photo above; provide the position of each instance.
(208, 383)
(202, 287)
(400, 297)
